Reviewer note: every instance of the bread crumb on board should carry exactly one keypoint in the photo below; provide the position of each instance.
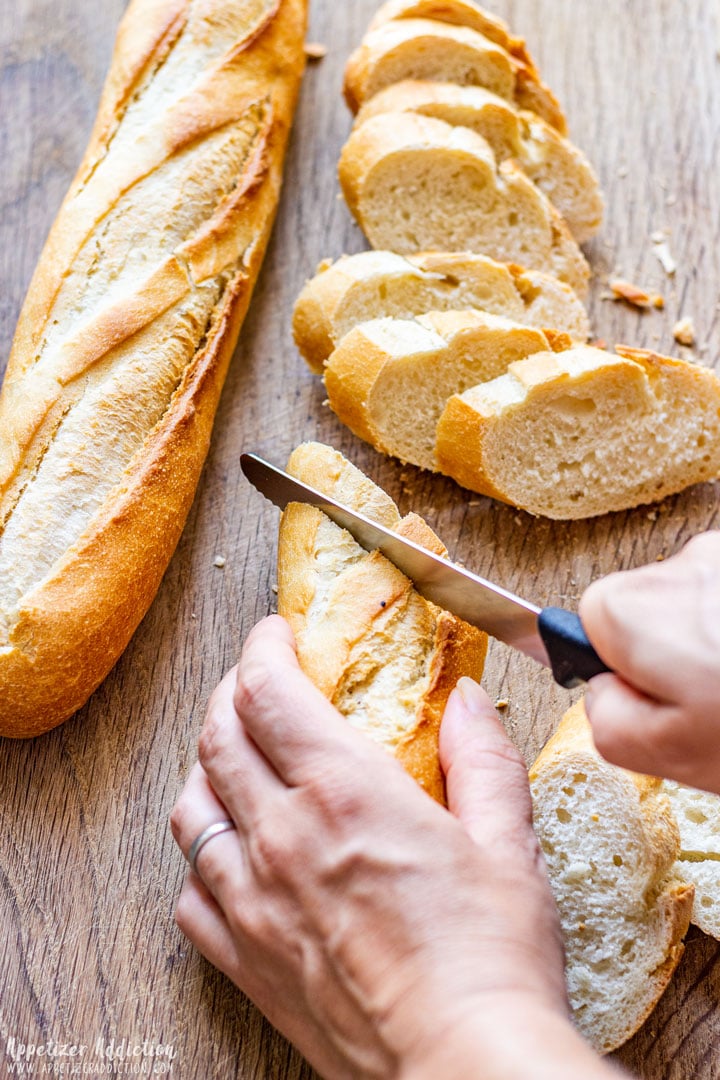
(219, 561)
(502, 703)
(662, 253)
(633, 294)
(684, 331)
(315, 50)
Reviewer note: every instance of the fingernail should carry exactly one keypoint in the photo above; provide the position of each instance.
(472, 696)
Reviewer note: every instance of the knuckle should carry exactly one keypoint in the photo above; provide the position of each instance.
(271, 847)
(184, 910)
(213, 732)
(339, 797)
(255, 679)
(178, 818)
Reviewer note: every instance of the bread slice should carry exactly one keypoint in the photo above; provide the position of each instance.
(384, 656)
(456, 13)
(583, 432)
(552, 162)
(610, 843)
(377, 284)
(698, 817)
(389, 379)
(530, 91)
(415, 183)
(418, 48)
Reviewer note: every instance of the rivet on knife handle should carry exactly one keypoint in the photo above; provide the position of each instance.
(572, 658)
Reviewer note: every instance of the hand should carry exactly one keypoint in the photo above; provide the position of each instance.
(659, 628)
(383, 935)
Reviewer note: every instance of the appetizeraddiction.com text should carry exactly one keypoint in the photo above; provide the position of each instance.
(103, 1057)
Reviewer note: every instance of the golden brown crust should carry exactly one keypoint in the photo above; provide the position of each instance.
(459, 447)
(70, 628)
(671, 899)
(458, 650)
(366, 608)
(530, 92)
(472, 427)
(393, 142)
(350, 375)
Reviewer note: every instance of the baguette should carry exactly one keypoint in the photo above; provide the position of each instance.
(389, 380)
(557, 167)
(457, 13)
(384, 656)
(582, 432)
(126, 335)
(698, 817)
(415, 183)
(377, 284)
(610, 842)
(422, 48)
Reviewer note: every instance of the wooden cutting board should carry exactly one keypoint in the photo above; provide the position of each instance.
(88, 870)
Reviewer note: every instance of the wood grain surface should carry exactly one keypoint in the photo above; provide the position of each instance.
(88, 870)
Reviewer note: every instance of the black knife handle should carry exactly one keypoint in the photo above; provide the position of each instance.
(572, 658)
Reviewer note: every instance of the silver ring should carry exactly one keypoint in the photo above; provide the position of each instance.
(207, 834)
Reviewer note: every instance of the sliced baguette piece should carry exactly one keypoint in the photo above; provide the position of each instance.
(415, 183)
(552, 162)
(429, 49)
(610, 843)
(389, 380)
(530, 91)
(583, 432)
(382, 654)
(698, 817)
(457, 13)
(377, 284)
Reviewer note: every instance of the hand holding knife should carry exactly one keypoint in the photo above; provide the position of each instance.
(552, 636)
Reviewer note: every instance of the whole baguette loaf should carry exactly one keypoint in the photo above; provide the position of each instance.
(425, 48)
(583, 432)
(415, 183)
(126, 334)
(382, 654)
(389, 379)
(377, 284)
(610, 843)
(558, 168)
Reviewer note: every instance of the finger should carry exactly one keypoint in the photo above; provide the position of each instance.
(487, 783)
(221, 861)
(294, 725)
(637, 618)
(201, 920)
(635, 732)
(237, 771)
(197, 807)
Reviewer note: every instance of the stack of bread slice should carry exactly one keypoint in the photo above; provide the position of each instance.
(376, 284)
(458, 345)
(388, 660)
(527, 416)
(458, 144)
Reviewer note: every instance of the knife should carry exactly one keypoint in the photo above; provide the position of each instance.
(552, 636)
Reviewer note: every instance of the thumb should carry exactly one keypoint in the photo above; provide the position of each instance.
(486, 777)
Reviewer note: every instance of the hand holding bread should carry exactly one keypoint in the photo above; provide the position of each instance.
(329, 904)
